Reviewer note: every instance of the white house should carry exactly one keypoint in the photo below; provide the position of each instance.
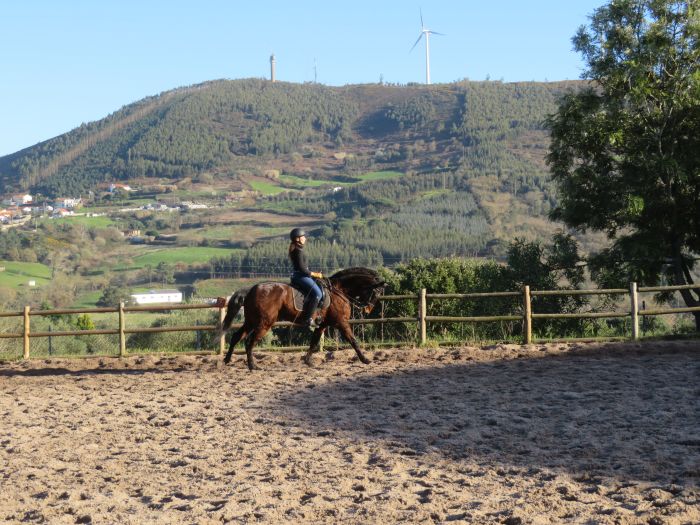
(68, 202)
(157, 296)
(116, 186)
(61, 212)
(187, 205)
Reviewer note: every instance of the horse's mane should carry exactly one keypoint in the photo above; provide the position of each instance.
(358, 272)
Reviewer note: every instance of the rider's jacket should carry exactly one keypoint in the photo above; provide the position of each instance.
(299, 261)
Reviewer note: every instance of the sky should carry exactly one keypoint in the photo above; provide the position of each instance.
(64, 63)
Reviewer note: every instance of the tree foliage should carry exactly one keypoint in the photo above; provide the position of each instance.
(625, 153)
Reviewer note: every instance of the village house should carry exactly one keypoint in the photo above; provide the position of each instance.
(62, 212)
(114, 186)
(19, 199)
(187, 205)
(68, 202)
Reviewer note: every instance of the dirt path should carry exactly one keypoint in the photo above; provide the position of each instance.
(506, 434)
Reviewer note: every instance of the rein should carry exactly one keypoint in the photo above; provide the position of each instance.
(334, 289)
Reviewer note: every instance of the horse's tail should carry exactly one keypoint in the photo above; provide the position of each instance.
(234, 306)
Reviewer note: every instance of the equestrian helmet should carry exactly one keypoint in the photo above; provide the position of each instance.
(297, 232)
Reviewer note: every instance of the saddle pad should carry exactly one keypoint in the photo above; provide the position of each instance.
(299, 298)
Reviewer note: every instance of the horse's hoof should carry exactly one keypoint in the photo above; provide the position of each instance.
(307, 360)
(364, 360)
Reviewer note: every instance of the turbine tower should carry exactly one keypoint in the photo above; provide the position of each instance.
(426, 32)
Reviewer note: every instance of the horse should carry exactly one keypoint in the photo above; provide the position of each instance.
(266, 303)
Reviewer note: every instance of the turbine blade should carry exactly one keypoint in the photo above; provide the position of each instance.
(414, 45)
(436, 33)
(421, 18)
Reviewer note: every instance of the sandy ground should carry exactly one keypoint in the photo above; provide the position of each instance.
(505, 434)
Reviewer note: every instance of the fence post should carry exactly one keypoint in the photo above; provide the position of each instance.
(527, 315)
(122, 335)
(25, 354)
(634, 310)
(422, 312)
(222, 337)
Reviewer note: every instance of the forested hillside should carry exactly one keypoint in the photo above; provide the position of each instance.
(222, 126)
(469, 160)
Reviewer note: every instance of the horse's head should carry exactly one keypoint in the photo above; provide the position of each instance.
(363, 285)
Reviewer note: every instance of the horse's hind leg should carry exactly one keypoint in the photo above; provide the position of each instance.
(235, 338)
(347, 334)
(252, 340)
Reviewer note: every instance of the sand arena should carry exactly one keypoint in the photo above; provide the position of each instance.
(504, 434)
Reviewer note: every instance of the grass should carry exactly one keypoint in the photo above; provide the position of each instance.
(225, 287)
(88, 300)
(304, 183)
(270, 188)
(18, 274)
(181, 255)
(233, 232)
(379, 175)
(266, 188)
(90, 222)
(433, 193)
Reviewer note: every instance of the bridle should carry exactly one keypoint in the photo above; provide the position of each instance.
(355, 302)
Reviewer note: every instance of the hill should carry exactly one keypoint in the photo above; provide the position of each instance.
(386, 172)
(236, 129)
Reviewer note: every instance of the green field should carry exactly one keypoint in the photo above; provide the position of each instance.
(87, 300)
(271, 188)
(225, 287)
(232, 232)
(379, 175)
(304, 183)
(179, 255)
(20, 273)
(266, 188)
(434, 193)
(90, 222)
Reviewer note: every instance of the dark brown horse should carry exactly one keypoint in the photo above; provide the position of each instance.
(266, 303)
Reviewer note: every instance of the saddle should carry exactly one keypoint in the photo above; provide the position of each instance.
(299, 297)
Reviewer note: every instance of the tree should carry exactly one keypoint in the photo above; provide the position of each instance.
(113, 295)
(625, 152)
(165, 273)
(84, 322)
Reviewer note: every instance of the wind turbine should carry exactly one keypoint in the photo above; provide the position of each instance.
(427, 33)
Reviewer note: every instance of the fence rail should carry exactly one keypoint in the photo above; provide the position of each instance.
(422, 319)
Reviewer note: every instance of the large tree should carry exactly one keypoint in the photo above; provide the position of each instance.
(625, 152)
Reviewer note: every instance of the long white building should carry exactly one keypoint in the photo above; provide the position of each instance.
(157, 296)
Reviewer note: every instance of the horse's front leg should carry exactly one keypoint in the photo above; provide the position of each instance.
(346, 331)
(315, 343)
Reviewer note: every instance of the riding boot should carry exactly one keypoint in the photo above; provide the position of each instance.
(307, 316)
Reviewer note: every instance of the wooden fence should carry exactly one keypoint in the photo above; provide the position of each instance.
(422, 319)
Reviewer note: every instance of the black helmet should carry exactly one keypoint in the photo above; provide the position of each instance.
(297, 232)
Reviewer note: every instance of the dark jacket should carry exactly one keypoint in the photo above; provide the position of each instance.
(299, 261)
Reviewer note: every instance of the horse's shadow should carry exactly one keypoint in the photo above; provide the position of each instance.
(606, 414)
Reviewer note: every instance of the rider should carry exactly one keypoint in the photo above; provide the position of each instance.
(302, 278)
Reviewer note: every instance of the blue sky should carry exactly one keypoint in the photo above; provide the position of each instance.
(73, 61)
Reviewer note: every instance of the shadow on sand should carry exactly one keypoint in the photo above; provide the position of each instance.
(630, 415)
(58, 371)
